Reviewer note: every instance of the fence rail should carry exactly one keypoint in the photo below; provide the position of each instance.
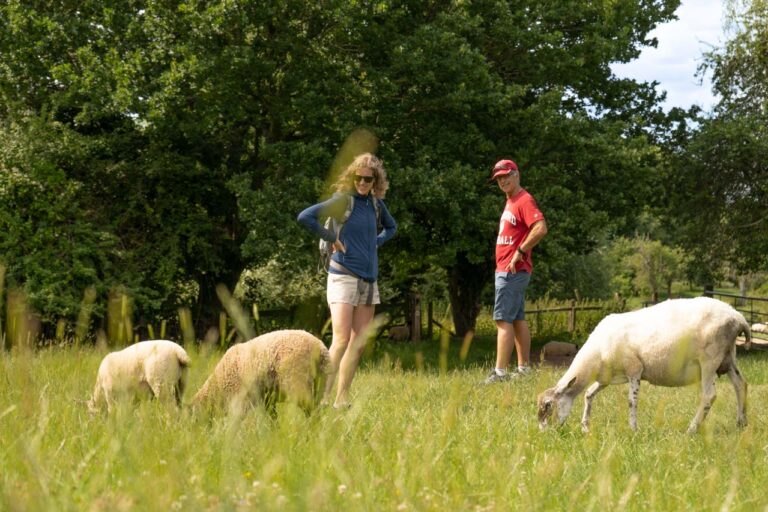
(744, 304)
(571, 309)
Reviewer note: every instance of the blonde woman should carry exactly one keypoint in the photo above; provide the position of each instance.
(352, 289)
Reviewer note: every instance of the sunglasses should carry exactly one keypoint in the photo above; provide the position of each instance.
(367, 179)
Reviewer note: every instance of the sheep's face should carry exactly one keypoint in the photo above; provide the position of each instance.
(546, 404)
(555, 399)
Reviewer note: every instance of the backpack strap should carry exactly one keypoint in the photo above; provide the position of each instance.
(338, 225)
(348, 211)
(351, 206)
(335, 225)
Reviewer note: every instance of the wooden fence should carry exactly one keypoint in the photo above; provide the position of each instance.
(571, 310)
(745, 305)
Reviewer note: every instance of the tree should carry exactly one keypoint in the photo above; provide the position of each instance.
(187, 121)
(643, 265)
(192, 134)
(458, 88)
(720, 176)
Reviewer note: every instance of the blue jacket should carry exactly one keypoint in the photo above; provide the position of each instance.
(358, 234)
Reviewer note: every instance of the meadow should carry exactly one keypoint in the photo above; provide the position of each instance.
(422, 438)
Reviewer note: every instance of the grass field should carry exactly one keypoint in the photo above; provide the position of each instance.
(413, 440)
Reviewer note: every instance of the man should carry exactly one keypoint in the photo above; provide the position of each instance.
(522, 226)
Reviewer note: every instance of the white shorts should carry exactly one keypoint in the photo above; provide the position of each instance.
(351, 290)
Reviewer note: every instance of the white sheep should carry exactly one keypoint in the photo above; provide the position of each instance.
(290, 365)
(762, 328)
(155, 368)
(558, 349)
(674, 343)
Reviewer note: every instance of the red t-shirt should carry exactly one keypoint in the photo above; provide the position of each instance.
(520, 213)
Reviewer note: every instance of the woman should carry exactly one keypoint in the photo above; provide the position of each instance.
(352, 289)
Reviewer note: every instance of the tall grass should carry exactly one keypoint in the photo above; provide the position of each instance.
(413, 440)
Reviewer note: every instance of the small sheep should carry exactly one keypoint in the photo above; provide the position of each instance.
(763, 328)
(156, 367)
(557, 348)
(289, 365)
(399, 332)
(674, 343)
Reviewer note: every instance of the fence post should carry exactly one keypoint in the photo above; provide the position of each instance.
(415, 317)
(572, 317)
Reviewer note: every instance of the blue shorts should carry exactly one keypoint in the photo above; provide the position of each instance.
(510, 296)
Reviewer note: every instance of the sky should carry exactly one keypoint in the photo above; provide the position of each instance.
(673, 62)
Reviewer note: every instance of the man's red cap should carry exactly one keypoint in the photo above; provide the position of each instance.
(503, 167)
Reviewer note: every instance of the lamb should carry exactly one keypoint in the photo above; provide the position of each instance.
(558, 348)
(762, 328)
(290, 365)
(399, 332)
(155, 367)
(674, 343)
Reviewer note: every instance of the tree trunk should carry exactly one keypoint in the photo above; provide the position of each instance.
(465, 284)
(742, 290)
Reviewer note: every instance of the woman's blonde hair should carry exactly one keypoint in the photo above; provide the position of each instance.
(345, 182)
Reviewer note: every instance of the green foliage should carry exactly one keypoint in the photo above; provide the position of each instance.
(720, 180)
(590, 276)
(761, 286)
(739, 66)
(52, 244)
(277, 285)
(643, 265)
(481, 81)
(186, 137)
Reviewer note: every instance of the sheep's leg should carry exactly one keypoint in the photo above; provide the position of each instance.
(708, 395)
(591, 392)
(96, 399)
(634, 390)
(740, 386)
(298, 390)
(109, 398)
(564, 408)
(157, 391)
(178, 390)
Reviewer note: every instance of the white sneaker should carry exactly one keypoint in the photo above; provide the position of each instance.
(494, 377)
(525, 371)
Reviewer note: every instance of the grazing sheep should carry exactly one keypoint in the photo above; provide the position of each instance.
(763, 328)
(157, 368)
(558, 348)
(675, 343)
(399, 332)
(289, 365)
